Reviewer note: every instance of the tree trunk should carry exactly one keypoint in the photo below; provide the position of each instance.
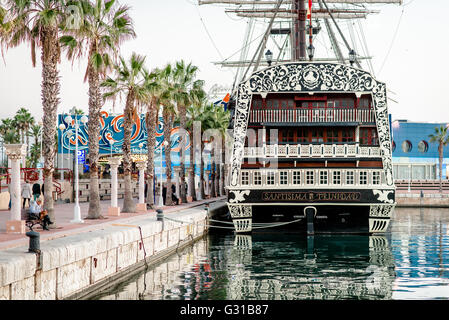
(28, 144)
(182, 173)
(192, 166)
(203, 195)
(50, 101)
(151, 123)
(223, 168)
(440, 152)
(168, 124)
(212, 173)
(95, 104)
(129, 206)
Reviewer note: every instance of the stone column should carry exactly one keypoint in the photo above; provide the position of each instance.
(189, 186)
(141, 206)
(114, 210)
(177, 177)
(15, 152)
(220, 182)
(207, 189)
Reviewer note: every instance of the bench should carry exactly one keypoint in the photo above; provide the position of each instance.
(33, 220)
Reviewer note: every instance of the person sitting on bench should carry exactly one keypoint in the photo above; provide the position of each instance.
(36, 213)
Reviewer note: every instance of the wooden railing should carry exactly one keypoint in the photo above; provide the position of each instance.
(313, 151)
(314, 115)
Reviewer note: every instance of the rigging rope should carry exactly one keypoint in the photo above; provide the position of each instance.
(393, 40)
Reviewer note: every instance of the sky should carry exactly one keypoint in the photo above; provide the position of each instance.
(408, 44)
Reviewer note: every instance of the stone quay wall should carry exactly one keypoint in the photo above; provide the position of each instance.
(76, 265)
(414, 200)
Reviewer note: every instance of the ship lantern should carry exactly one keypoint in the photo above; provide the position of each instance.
(269, 56)
(352, 56)
(311, 51)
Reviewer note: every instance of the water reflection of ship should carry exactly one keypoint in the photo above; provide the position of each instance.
(329, 267)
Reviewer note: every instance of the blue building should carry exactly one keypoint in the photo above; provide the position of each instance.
(414, 157)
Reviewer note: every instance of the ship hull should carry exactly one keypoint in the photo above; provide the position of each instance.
(344, 212)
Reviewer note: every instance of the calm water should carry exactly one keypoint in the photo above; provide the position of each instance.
(411, 261)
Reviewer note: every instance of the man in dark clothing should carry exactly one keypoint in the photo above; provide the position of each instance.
(173, 195)
(36, 191)
(164, 193)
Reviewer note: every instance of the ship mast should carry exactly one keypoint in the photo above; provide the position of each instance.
(299, 33)
(295, 13)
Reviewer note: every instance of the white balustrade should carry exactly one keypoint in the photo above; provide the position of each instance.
(317, 150)
(312, 115)
(340, 150)
(328, 150)
(313, 150)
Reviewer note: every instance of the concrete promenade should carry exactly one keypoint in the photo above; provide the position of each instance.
(64, 214)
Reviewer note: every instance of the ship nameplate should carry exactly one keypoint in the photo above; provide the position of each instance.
(311, 196)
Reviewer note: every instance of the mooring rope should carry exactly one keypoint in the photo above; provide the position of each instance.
(256, 225)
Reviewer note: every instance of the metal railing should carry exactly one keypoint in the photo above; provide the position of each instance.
(312, 115)
(313, 151)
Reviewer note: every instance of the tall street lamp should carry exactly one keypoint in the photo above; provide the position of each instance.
(161, 199)
(77, 210)
(352, 56)
(311, 51)
(41, 160)
(269, 56)
(62, 127)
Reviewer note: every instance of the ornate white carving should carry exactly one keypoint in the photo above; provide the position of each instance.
(243, 225)
(141, 165)
(239, 196)
(382, 195)
(381, 211)
(240, 211)
(378, 225)
(310, 77)
(115, 162)
(15, 151)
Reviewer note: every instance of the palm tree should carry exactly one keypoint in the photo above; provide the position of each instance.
(24, 120)
(37, 23)
(10, 136)
(442, 138)
(186, 90)
(208, 123)
(35, 150)
(194, 115)
(6, 125)
(35, 153)
(158, 94)
(129, 82)
(4, 27)
(104, 27)
(216, 118)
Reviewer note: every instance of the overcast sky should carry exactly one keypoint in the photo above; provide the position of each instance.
(412, 61)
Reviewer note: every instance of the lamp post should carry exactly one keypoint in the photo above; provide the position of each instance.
(77, 210)
(352, 56)
(141, 146)
(161, 199)
(62, 127)
(41, 160)
(269, 56)
(311, 51)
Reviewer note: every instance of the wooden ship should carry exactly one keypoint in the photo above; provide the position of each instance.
(312, 145)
